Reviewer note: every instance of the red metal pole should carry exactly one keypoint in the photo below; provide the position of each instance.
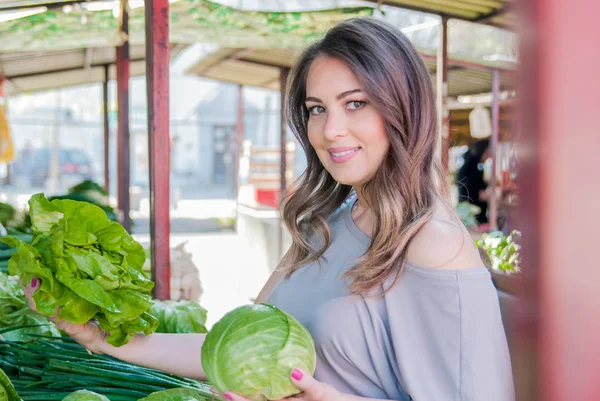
(493, 219)
(442, 92)
(558, 320)
(123, 147)
(106, 130)
(157, 85)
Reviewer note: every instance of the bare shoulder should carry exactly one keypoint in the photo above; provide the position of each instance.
(443, 245)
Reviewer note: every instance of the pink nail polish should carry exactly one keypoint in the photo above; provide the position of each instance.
(296, 374)
(34, 282)
(228, 396)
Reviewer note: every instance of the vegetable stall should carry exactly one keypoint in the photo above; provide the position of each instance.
(92, 269)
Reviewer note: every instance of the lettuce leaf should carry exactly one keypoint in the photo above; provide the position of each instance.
(178, 394)
(90, 268)
(179, 316)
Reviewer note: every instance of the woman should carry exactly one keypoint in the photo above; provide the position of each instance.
(391, 287)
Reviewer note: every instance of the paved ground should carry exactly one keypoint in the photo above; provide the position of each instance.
(228, 269)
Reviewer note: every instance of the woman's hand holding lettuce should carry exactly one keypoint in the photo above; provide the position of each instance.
(89, 268)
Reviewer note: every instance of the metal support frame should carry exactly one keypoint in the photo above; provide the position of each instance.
(493, 217)
(106, 127)
(123, 142)
(442, 93)
(159, 144)
(283, 77)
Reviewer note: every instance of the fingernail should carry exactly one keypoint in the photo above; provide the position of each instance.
(34, 282)
(228, 396)
(296, 374)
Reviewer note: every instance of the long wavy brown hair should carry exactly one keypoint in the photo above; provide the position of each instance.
(403, 191)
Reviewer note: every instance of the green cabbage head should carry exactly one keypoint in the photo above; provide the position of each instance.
(252, 351)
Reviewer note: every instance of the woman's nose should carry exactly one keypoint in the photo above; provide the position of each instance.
(336, 126)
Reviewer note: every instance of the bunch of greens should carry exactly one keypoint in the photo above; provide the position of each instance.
(253, 349)
(89, 266)
(502, 250)
(179, 316)
(6, 251)
(7, 390)
(14, 311)
(90, 192)
(50, 369)
(12, 218)
(467, 213)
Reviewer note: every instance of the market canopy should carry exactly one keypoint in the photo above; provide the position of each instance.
(498, 13)
(261, 68)
(191, 21)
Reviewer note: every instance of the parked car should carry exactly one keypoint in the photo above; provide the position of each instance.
(74, 166)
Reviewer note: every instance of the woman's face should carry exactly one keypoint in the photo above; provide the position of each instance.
(346, 131)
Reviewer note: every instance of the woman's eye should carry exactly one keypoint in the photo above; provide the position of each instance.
(356, 104)
(316, 110)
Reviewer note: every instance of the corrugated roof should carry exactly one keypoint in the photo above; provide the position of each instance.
(492, 12)
(36, 71)
(261, 68)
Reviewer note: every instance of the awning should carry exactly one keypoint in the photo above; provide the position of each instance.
(261, 68)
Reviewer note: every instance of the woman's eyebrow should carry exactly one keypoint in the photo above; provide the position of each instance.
(338, 97)
(347, 93)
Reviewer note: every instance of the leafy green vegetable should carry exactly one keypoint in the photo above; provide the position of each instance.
(467, 212)
(179, 316)
(7, 213)
(84, 395)
(252, 351)
(90, 267)
(90, 192)
(177, 394)
(7, 390)
(88, 186)
(51, 368)
(12, 218)
(502, 251)
(14, 311)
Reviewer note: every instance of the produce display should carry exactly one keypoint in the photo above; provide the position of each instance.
(502, 250)
(52, 368)
(90, 192)
(6, 251)
(179, 316)
(13, 218)
(467, 213)
(252, 350)
(90, 268)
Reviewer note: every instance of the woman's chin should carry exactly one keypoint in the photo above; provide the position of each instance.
(350, 181)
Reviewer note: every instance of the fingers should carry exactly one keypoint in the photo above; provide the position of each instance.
(225, 396)
(312, 388)
(29, 289)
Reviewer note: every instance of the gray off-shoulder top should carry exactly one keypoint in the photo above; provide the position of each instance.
(436, 335)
